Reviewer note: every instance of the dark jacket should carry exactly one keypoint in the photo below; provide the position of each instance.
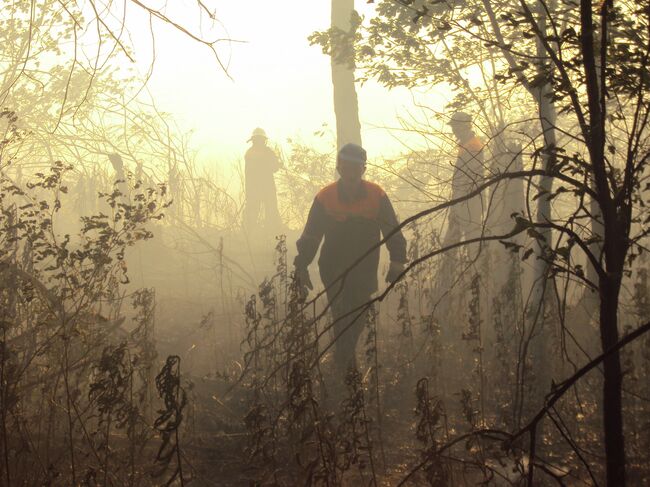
(260, 164)
(350, 227)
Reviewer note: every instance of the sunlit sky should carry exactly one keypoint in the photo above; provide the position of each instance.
(277, 80)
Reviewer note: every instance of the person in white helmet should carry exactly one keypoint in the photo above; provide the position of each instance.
(261, 164)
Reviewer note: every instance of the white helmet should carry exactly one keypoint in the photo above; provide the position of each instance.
(258, 132)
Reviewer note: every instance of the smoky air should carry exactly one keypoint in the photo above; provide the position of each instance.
(372, 243)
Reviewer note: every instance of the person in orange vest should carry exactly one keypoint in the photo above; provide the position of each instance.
(349, 216)
(466, 218)
(261, 163)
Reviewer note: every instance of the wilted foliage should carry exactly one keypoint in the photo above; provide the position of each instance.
(514, 353)
(168, 422)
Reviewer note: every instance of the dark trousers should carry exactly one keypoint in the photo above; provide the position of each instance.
(348, 324)
(258, 198)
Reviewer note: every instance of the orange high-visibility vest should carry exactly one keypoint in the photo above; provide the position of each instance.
(366, 207)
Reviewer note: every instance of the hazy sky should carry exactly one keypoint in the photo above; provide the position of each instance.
(279, 82)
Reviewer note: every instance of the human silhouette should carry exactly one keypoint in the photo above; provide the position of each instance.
(261, 163)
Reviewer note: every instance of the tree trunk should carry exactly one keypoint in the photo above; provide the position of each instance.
(616, 221)
(503, 279)
(612, 400)
(346, 106)
(538, 310)
(588, 304)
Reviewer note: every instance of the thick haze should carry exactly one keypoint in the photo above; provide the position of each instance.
(277, 81)
(186, 301)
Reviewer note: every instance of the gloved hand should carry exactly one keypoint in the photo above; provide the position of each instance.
(395, 269)
(302, 276)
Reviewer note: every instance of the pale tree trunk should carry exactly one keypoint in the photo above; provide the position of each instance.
(346, 106)
(505, 198)
(533, 353)
(503, 279)
(537, 332)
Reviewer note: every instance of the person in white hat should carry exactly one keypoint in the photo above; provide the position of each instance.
(260, 165)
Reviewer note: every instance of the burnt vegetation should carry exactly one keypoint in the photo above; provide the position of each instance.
(148, 339)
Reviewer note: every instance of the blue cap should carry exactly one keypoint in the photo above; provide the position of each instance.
(352, 153)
